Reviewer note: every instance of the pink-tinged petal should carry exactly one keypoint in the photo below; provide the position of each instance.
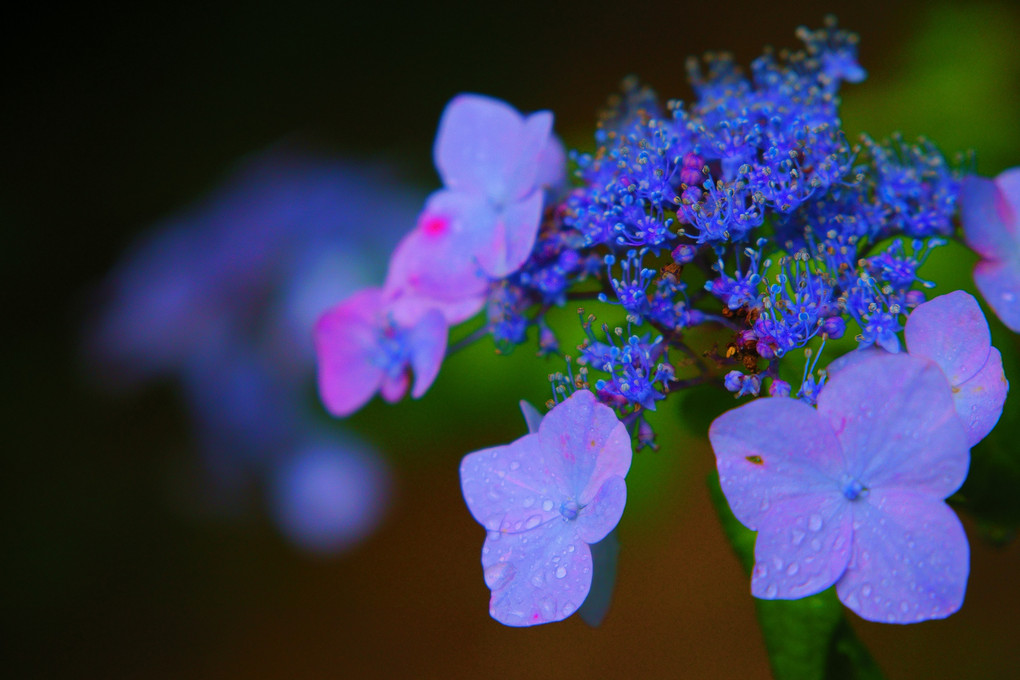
(394, 388)
(989, 220)
(979, 400)
(851, 358)
(508, 245)
(487, 148)
(603, 512)
(951, 331)
(537, 576)
(770, 450)
(999, 283)
(910, 559)
(588, 442)
(514, 488)
(436, 260)
(803, 546)
(345, 343)
(896, 421)
(552, 165)
(428, 347)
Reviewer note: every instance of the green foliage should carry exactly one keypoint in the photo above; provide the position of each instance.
(807, 639)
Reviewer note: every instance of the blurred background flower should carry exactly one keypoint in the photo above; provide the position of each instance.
(223, 297)
(118, 118)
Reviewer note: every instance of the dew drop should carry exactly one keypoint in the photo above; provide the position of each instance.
(816, 545)
(533, 522)
(815, 522)
(568, 608)
(529, 501)
(777, 563)
(792, 569)
(561, 572)
(798, 536)
(498, 575)
(547, 505)
(904, 607)
(514, 465)
(570, 548)
(771, 591)
(866, 589)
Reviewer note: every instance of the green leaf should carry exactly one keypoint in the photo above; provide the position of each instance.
(806, 639)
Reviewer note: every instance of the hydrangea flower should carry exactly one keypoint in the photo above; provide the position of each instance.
(362, 349)
(543, 500)
(951, 331)
(990, 213)
(852, 493)
(494, 163)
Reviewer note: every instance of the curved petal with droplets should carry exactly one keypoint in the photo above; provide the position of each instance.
(897, 424)
(979, 400)
(537, 576)
(951, 331)
(803, 546)
(589, 442)
(910, 559)
(999, 283)
(772, 449)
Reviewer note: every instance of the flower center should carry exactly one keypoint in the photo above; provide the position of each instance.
(569, 510)
(854, 490)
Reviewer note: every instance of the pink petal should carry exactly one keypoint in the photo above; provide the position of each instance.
(951, 331)
(586, 445)
(770, 450)
(979, 400)
(910, 559)
(803, 546)
(345, 340)
(428, 347)
(999, 283)
(896, 421)
(537, 576)
(394, 388)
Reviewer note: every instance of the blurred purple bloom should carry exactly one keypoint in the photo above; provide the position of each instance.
(543, 500)
(224, 297)
(990, 213)
(852, 493)
(329, 495)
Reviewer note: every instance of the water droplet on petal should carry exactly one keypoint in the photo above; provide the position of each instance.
(533, 522)
(547, 505)
(792, 569)
(866, 589)
(561, 572)
(771, 591)
(514, 465)
(498, 575)
(798, 536)
(815, 522)
(816, 544)
(777, 562)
